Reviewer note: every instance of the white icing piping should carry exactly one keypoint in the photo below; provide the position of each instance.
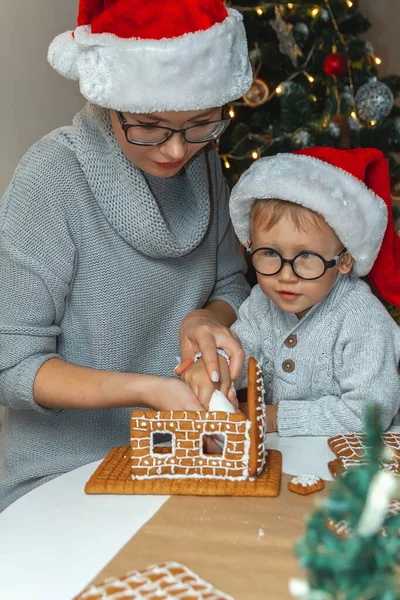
(171, 584)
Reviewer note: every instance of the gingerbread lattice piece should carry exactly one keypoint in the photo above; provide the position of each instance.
(351, 451)
(343, 529)
(168, 580)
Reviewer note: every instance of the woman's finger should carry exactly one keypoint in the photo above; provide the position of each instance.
(227, 340)
(208, 351)
(188, 349)
(235, 352)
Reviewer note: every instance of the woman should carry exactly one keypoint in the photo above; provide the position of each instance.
(115, 232)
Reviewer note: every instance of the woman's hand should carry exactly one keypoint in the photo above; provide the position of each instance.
(196, 377)
(62, 385)
(167, 393)
(202, 331)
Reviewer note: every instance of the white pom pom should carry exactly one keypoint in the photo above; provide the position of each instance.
(63, 55)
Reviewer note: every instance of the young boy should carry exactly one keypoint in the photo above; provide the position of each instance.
(326, 345)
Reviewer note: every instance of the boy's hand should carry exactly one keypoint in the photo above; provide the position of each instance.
(272, 418)
(197, 378)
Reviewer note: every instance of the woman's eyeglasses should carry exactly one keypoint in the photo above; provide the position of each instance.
(154, 135)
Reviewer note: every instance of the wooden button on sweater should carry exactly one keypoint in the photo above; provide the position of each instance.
(288, 366)
(291, 341)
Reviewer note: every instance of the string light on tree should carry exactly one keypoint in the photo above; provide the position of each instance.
(314, 12)
(231, 113)
(259, 11)
(373, 60)
(255, 155)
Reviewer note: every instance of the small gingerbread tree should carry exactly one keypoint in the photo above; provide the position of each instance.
(364, 564)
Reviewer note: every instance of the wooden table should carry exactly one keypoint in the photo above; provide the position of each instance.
(54, 540)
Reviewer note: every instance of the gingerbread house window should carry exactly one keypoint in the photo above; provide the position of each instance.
(220, 439)
(166, 447)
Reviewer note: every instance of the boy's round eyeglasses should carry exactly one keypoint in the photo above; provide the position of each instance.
(154, 135)
(306, 265)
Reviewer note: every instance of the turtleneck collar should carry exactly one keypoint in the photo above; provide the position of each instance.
(128, 200)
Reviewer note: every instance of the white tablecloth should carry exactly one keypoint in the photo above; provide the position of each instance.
(55, 539)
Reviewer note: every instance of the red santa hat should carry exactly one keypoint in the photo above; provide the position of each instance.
(349, 188)
(145, 56)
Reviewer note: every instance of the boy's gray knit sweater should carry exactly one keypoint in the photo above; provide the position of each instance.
(99, 266)
(326, 367)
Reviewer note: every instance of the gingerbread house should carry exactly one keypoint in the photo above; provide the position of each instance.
(181, 465)
(243, 440)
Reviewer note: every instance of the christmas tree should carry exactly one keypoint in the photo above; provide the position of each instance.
(365, 563)
(315, 84)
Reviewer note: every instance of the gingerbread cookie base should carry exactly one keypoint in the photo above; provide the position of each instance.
(113, 476)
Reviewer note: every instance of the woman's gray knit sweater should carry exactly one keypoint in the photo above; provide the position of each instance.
(99, 266)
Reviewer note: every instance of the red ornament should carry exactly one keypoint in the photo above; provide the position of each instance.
(336, 65)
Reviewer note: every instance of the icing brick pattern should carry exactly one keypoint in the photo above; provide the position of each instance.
(351, 450)
(186, 458)
(168, 580)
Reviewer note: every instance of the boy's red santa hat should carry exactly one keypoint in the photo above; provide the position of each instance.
(145, 56)
(349, 188)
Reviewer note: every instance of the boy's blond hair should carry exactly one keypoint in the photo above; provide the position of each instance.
(266, 212)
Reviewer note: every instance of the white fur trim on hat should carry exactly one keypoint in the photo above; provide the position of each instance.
(194, 71)
(355, 213)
